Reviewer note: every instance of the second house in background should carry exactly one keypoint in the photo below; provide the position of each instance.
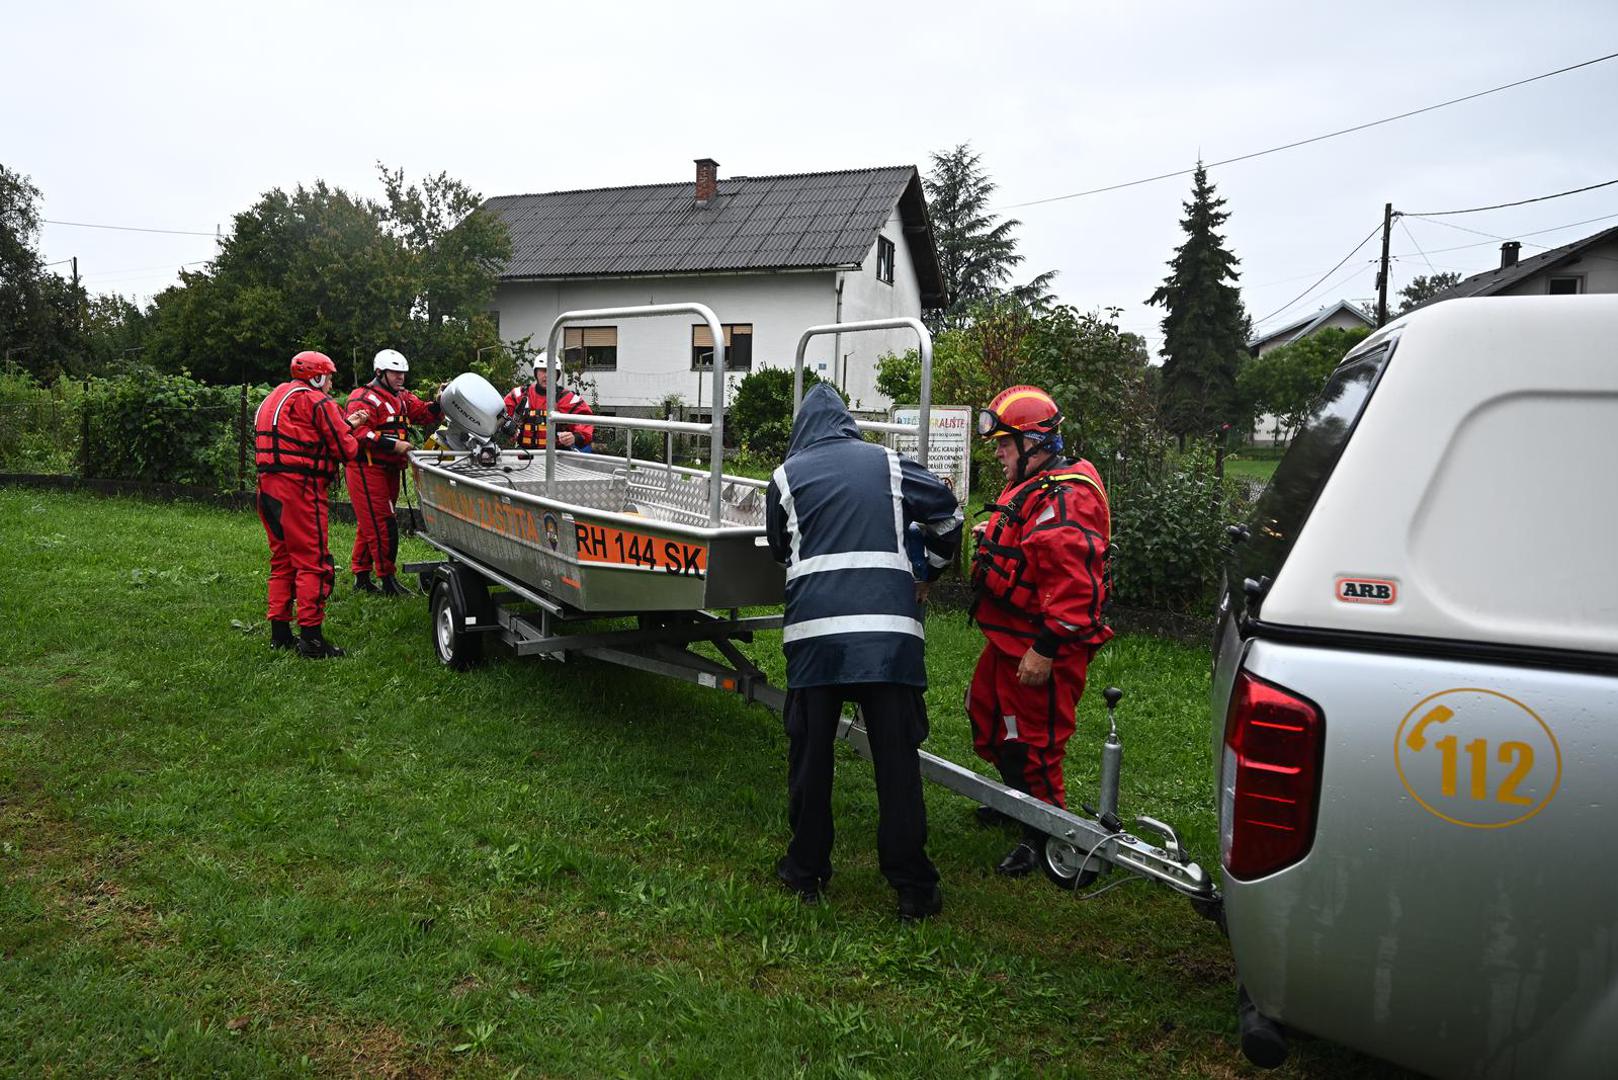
(771, 255)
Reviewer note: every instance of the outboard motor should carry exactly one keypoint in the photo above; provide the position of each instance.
(474, 417)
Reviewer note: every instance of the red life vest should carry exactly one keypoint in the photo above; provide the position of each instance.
(388, 421)
(527, 405)
(1069, 503)
(298, 429)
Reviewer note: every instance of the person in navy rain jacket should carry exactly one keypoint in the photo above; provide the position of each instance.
(837, 512)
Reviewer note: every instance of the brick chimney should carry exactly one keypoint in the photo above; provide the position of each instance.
(1508, 254)
(707, 180)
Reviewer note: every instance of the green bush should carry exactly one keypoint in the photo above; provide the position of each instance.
(164, 429)
(1169, 537)
(759, 418)
(39, 426)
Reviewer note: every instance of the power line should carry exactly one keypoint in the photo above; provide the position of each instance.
(1313, 139)
(1535, 232)
(1502, 206)
(1412, 238)
(1374, 230)
(1542, 247)
(129, 228)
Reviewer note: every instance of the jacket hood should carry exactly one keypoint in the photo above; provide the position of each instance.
(823, 416)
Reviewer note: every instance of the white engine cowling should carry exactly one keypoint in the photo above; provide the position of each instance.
(474, 412)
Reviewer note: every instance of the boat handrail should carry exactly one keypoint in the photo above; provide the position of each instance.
(918, 429)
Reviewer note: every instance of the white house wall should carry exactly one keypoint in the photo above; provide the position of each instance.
(1598, 266)
(865, 296)
(654, 354)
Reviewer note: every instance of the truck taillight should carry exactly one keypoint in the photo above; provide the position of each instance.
(1270, 782)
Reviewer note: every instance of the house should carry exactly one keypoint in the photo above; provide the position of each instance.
(1344, 314)
(1584, 266)
(771, 255)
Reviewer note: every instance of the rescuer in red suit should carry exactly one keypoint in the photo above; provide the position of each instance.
(300, 438)
(373, 479)
(526, 405)
(1039, 585)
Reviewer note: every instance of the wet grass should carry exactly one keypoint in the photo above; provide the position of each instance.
(219, 861)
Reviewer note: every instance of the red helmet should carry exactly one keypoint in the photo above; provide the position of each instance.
(310, 365)
(1019, 411)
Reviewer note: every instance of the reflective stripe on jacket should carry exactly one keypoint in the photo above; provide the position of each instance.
(1039, 572)
(299, 429)
(836, 514)
(388, 421)
(527, 404)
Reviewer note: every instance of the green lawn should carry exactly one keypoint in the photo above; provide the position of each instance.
(1249, 468)
(219, 861)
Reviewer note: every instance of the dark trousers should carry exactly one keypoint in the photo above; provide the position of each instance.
(896, 722)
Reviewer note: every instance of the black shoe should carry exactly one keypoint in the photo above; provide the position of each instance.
(918, 904)
(281, 635)
(1022, 860)
(807, 893)
(990, 818)
(312, 645)
(391, 587)
(363, 582)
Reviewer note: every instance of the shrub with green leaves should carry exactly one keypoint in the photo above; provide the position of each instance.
(164, 429)
(1169, 536)
(759, 418)
(39, 425)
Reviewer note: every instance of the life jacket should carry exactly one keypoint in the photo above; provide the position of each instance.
(389, 416)
(529, 416)
(288, 434)
(1006, 598)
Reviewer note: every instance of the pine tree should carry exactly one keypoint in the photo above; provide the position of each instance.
(1204, 327)
(976, 252)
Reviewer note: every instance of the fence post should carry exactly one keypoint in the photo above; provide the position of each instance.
(241, 443)
(84, 430)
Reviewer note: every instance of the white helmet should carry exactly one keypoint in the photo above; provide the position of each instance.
(390, 360)
(539, 362)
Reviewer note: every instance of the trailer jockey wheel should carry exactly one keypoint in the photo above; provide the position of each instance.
(1063, 865)
(456, 649)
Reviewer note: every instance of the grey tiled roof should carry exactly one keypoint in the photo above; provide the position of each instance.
(795, 222)
(1498, 280)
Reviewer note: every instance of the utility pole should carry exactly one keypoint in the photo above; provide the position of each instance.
(1382, 274)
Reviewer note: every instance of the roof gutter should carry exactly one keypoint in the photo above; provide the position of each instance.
(543, 279)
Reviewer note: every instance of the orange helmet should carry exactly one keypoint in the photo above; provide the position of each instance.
(310, 365)
(1021, 411)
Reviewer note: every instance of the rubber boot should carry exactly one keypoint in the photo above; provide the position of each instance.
(1021, 860)
(363, 582)
(391, 587)
(281, 635)
(312, 645)
(916, 905)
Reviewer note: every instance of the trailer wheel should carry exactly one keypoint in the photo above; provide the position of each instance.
(456, 649)
(1063, 865)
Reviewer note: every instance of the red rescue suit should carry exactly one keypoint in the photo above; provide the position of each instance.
(1039, 578)
(527, 405)
(373, 479)
(300, 438)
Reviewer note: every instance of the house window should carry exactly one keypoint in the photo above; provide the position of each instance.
(884, 259)
(738, 347)
(1566, 285)
(590, 348)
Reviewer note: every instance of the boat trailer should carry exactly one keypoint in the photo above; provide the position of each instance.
(555, 562)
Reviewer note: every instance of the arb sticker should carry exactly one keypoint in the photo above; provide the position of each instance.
(1477, 758)
(1362, 590)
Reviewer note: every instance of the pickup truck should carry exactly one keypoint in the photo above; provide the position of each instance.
(1415, 702)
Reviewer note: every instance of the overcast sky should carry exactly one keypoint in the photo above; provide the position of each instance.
(178, 115)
